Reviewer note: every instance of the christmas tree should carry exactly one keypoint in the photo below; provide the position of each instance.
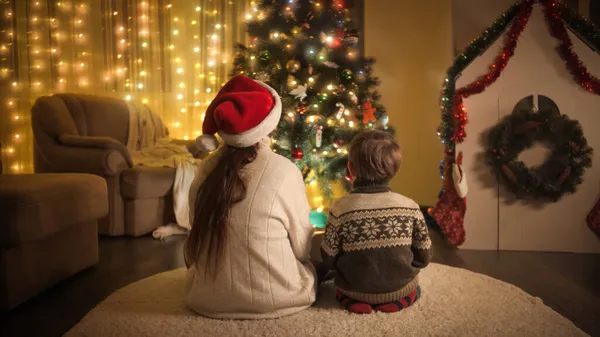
(308, 51)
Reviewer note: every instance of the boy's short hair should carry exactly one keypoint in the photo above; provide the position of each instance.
(374, 155)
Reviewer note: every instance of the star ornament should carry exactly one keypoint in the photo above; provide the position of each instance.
(299, 92)
(368, 113)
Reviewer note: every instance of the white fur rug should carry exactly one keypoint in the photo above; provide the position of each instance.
(455, 302)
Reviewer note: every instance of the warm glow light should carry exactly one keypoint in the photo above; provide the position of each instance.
(61, 59)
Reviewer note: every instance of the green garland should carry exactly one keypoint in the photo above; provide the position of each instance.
(577, 23)
(462, 61)
(580, 25)
(561, 173)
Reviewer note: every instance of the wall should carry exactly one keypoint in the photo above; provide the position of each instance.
(412, 43)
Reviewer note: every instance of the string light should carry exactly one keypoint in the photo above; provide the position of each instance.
(60, 59)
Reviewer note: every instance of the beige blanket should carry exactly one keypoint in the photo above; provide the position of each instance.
(149, 145)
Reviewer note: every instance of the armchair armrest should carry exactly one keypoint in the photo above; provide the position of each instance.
(98, 161)
(106, 143)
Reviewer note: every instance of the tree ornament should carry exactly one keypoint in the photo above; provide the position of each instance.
(296, 30)
(353, 97)
(310, 69)
(361, 76)
(331, 64)
(340, 106)
(384, 121)
(305, 26)
(301, 109)
(347, 74)
(368, 112)
(264, 55)
(561, 173)
(299, 92)
(338, 4)
(305, 170)
(292, 66)
(319, 136)
(351, 37)
(297, 154)
(263, 76)
(334, 40)
(348, 176)
(275, 68)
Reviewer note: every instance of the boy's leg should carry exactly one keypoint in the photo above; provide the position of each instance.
(352, 305)
(402, 303)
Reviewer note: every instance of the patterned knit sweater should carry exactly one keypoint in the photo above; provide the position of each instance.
(376, 241)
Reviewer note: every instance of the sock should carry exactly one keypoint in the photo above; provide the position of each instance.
(352, 305)
(400, 304)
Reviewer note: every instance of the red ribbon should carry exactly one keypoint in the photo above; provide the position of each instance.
(481, 83)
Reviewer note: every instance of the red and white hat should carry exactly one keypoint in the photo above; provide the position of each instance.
(244, 112)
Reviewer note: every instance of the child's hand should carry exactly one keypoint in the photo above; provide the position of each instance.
(459, 177)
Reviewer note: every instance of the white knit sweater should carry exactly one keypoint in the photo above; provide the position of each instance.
(265, 271)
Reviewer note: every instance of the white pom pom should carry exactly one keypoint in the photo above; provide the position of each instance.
(460, 180)
(207, 143)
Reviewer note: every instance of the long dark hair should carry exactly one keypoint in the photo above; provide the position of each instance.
(223, 188)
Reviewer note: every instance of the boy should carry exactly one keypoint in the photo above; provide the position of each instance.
(375, 240)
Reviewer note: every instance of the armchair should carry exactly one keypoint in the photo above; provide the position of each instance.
(88, 134)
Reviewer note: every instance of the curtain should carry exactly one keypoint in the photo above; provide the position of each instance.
(170, 54)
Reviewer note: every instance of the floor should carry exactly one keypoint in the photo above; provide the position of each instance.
(569, 283)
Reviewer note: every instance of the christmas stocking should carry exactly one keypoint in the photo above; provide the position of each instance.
(593, 219)
(449, 212)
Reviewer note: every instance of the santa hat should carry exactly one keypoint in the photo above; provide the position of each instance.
(243, 112)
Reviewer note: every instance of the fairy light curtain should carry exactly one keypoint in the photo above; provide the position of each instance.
(170, 54)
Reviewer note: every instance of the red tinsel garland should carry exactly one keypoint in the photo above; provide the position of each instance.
(565, 48)
(479, 85)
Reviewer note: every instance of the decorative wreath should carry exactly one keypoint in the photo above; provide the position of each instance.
(561, 173)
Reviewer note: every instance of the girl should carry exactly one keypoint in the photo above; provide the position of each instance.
(248, 253)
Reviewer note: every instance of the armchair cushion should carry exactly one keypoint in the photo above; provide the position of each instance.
(53, 117)
(34, 206)
(142, 182)
(97, 143)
